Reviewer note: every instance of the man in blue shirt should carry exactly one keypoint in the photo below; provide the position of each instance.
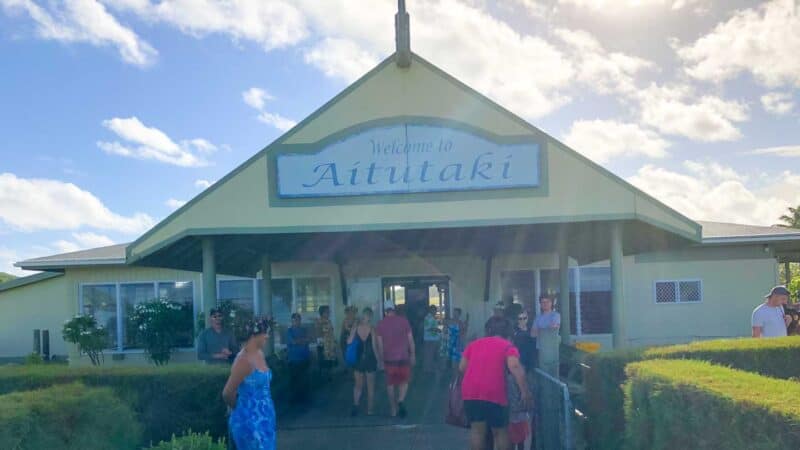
(299, 357)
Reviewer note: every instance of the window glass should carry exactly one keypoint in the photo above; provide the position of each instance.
(595, 300)
(181, 292)
(101, 302)
(240, 292)
(130, 295)
(310, 294)
(282, 300)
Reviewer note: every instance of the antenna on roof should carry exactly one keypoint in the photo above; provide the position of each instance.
(402, 35)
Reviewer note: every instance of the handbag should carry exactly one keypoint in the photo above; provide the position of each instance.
(351, 353)
(455, 405)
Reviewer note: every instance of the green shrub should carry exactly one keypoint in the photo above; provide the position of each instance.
(776, 357)
(672, 404)
(604, 397)
(165, 400)
(191, 441)
(33, 359)
(68, 417)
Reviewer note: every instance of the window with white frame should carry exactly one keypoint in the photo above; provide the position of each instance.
(100, 301)
(311, 293)
(678, 291)
(301, 294)
(112, 305)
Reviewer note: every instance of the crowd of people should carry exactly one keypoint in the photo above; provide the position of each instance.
(497, 369)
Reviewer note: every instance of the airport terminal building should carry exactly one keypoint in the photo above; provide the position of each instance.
(411, 187)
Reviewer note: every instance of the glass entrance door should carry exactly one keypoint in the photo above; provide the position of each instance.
(412, 296)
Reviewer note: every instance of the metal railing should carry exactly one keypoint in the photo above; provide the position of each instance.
(555, 429)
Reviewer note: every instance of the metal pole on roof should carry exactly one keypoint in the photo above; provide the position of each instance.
(402, 35)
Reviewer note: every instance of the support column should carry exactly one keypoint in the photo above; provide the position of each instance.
(209, 277)
(787, 271)
(563, 295)
(617, 287)
(265, 298)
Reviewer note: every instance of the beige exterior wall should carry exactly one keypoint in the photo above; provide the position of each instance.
(43, 306)
(734, 281)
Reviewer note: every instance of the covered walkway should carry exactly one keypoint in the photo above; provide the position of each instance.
(326, 424)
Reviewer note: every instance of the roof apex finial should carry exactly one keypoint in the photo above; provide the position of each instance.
(402, 35)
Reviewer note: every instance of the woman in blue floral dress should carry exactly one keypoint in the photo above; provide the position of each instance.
(247, 392)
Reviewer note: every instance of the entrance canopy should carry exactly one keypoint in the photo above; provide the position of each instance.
(239, 254)
(409, 159)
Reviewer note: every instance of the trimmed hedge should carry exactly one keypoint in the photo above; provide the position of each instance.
(673, 404)
(165, 400)
(191, 441)
(776, 357)
(70, 417)
(604, 397)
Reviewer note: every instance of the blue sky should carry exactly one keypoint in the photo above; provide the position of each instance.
(113, 112)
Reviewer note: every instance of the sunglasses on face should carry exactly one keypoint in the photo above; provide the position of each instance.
(216, 316)
(521, 318)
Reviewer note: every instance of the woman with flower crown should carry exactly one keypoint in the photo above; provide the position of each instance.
(247, 392)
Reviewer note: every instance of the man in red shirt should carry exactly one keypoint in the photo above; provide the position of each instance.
(397, 355)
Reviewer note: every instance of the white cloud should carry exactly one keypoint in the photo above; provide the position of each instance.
(678, 110)
(789, 151)
(152, 143)
(474, 46)
(84, 21)
(202, 184)
(82, 241)
(272, 24)
(341, 58)
(778, 103)
(763, 41)
(709, 191)
(600, 70)
(256, 97)
(602, 140)
(31, 204)
(612, 6)
(276, 120)
(174, 204)
(7, 259)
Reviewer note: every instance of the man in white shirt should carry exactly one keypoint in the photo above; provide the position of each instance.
(768, 318)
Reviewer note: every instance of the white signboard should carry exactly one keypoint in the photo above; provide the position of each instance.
(406, 158)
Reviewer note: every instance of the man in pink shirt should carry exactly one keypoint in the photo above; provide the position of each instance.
(484, 385)
(396, 352)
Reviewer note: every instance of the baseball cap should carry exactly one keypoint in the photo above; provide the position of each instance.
(778, 290)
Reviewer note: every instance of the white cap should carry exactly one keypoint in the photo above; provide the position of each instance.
(388, 304)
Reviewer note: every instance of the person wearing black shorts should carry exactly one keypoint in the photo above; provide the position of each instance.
(367, 363)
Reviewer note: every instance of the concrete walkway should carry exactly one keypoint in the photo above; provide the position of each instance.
(326, 423)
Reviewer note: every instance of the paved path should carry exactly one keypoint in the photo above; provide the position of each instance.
(327, 424)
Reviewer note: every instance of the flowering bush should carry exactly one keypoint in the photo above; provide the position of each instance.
(90, 337)
(235, 319)
(158, 325)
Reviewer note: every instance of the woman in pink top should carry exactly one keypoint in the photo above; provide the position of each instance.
(484, 386)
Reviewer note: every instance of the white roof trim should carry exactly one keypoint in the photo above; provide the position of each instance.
(752, 239)
(71, 263)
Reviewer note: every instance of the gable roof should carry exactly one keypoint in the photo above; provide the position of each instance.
(101, 256)
(722, 232)
(30, 279)
(471, 108)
